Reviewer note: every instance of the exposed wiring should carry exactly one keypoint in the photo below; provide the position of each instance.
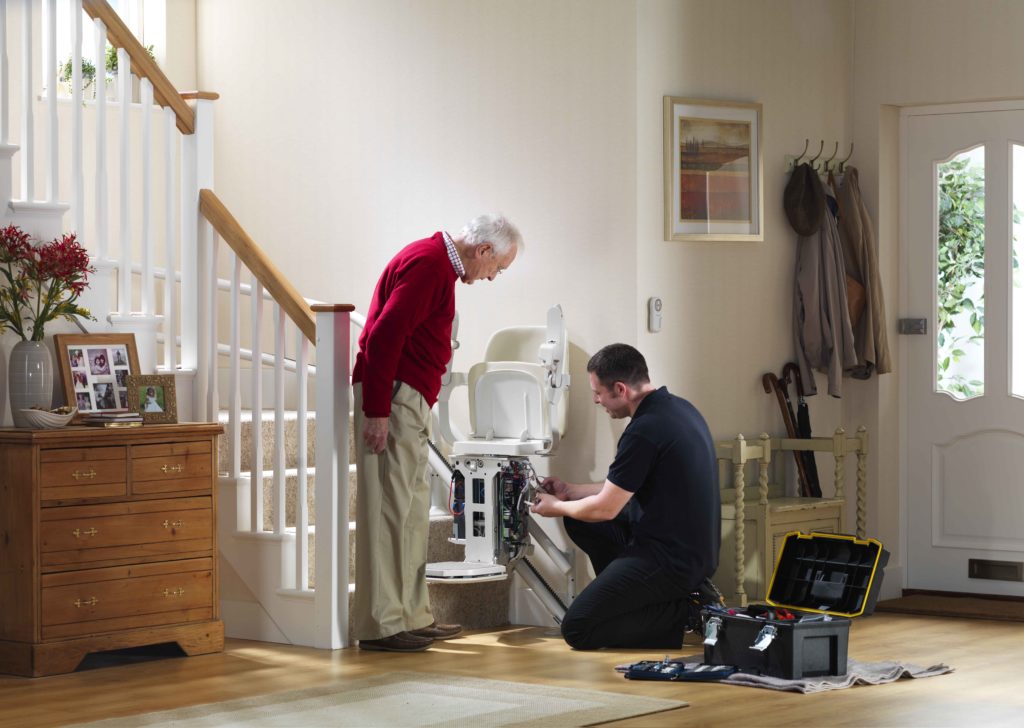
(451, 498)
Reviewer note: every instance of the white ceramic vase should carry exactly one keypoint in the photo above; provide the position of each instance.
(29, 379)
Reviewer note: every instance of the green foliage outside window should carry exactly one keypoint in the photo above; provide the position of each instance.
(962, 271)
(89, 68)
(961, 264)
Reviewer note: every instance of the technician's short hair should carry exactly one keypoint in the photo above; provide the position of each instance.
(494, 229)
(619, 363)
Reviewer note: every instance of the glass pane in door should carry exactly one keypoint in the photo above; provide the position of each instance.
(960, 318)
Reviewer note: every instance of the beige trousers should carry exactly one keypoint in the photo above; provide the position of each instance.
(392, 521)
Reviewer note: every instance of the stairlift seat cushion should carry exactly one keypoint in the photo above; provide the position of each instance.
(506, 401)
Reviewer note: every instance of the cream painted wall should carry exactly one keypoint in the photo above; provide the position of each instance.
(347, 129)
(907, 53)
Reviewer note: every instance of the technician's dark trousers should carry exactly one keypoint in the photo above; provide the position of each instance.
(633, 602)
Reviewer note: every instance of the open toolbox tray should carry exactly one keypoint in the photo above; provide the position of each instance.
(820, 582)
(824, 572)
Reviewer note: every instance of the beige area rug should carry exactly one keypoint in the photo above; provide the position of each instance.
(950, 606)
(412, 699)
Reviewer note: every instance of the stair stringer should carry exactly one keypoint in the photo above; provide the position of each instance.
(262, 561)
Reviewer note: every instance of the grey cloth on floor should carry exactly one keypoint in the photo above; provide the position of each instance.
(863, 673)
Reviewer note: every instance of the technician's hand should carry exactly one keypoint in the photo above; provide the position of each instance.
(545, 505)
(556, 487)
(375, 434)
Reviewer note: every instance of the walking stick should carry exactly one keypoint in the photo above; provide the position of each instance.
(771, 383)
(791, 372)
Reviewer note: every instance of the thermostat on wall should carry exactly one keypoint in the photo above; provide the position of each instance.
(654, 314)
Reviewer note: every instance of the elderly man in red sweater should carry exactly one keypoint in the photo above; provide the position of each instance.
(403, 351)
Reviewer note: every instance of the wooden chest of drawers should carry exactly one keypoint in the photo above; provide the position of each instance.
(107, 540)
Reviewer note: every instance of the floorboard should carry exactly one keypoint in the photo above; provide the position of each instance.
(985, 690)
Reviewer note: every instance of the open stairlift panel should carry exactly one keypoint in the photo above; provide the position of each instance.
(517, 410)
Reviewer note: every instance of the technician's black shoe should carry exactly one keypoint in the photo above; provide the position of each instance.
(439, 631)
(401, 642)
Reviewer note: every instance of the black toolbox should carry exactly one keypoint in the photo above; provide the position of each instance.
(821, 581)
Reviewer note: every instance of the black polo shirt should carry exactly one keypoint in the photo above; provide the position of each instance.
(666, 458)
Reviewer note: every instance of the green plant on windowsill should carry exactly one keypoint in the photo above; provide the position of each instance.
(89, 68)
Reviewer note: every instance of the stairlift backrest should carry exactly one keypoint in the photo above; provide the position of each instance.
(520, 344)
(506, 401)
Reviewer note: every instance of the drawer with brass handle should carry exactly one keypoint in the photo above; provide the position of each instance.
(145, 596)
(172, 468)
(82, 539)
(73, 473)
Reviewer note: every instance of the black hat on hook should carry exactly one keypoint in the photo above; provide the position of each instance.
(804, 200)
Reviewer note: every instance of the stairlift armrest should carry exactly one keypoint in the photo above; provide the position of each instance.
(449, 432)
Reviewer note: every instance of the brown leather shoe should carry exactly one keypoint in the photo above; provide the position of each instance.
(437, 631)
(401, 642)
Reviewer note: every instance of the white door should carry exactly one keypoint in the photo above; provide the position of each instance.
(963, 381)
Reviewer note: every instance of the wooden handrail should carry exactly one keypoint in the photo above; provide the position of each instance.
(257, 261)
(142, 65)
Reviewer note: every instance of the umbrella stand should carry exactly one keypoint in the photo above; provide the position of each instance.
(791, 372)
(771, 383)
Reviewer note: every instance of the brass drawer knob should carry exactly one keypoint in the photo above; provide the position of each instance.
(84, 475)
(78, 533)
(173, 524)
(172, 468)
(90, 602)
(179, 592)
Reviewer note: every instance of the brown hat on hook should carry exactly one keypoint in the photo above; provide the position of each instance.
(804, 200)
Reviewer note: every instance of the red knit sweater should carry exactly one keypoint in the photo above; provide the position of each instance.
(408, 332)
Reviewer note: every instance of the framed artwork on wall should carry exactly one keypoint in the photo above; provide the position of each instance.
(152, 396)
(94, 369)
(713, 170)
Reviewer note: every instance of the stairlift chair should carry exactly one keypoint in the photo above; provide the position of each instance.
(517, 411)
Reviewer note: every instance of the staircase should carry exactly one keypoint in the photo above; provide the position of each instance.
(176, 269)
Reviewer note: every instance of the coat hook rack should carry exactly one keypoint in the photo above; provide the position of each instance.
(825, 165)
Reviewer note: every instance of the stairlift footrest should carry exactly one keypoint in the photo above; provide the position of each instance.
(464, 571)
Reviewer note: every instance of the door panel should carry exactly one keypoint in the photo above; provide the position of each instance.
(965, 428)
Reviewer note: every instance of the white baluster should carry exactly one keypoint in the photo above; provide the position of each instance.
(301, 465)
(99, 62)
(256, 476)
(170, 242)
(279, 482)
(148, 282)
(5, 79)
(28, 162)
(77, 135)
(50, 74)
(235, 393)
(212, 398)
(124, 268)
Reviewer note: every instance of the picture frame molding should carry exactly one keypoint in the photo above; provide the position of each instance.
(63, 343)
(671, 191)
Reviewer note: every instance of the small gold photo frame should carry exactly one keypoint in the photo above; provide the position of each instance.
(152, 396)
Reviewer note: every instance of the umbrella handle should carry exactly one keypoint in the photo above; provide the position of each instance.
(791, 373)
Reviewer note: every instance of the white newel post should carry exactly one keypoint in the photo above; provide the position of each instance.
(332, 459)
(196, 244)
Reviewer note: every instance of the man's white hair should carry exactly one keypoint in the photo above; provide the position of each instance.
(493, 229)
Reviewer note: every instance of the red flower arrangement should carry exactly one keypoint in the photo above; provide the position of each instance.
(41, 283)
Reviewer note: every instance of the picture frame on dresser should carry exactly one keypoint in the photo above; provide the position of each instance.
(714, 176)
(94, 370)
(153, 397)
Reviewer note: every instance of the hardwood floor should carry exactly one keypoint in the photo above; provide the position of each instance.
(986, 689)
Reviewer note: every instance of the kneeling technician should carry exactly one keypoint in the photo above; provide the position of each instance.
(652, 529)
